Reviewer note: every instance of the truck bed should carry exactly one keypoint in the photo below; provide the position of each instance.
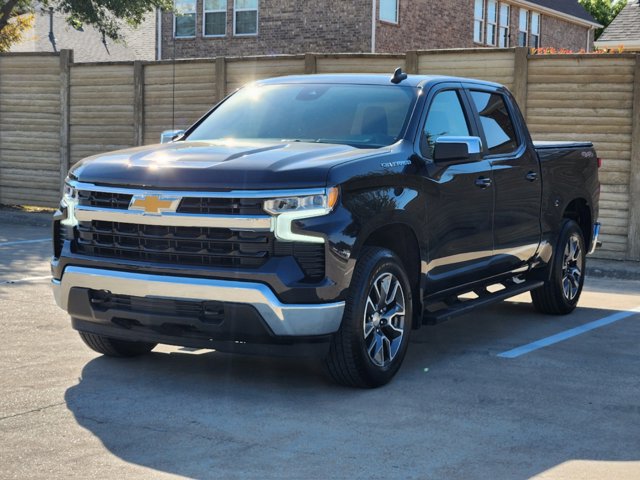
(551, 145)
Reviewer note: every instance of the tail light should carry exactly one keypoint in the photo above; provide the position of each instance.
(599, 162)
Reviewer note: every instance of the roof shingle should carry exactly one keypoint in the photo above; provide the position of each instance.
(569, 7)
(136, 44)
(626, 26)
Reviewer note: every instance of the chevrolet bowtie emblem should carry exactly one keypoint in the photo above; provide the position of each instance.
(154, 204)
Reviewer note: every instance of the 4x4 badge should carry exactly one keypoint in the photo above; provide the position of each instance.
(154, 204)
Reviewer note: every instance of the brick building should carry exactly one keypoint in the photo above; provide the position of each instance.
(210, 28)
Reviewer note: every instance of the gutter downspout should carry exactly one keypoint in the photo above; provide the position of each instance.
(159, 34)
(588, 49)
(373, 25)
(52, 37)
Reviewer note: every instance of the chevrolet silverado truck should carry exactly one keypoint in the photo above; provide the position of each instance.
(325, 215)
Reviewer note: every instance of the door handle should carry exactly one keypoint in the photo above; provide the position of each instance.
(483, 182)
(532, 176)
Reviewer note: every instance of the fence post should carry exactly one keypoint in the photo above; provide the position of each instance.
(221, 78)
(633, 243)
(138, 102)
(411, 63)
(310, 64)
(521, 78)
(66, 59)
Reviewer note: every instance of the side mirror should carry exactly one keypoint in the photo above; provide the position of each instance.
(455, 150)
(170, 135)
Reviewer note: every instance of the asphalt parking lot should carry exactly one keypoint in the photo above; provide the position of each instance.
(468, 402)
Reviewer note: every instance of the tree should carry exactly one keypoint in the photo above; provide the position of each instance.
(107, 16)
(604, 11)
(12, 27)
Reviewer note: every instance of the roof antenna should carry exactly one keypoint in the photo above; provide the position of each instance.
(398, 76)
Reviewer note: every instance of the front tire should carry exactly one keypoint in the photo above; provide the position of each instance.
(115, 348)
(560, 294)
(372, 341)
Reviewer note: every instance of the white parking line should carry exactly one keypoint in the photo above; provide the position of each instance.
(24, 280)
(573, 332)
(20, 242)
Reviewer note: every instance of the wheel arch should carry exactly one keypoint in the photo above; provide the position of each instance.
(402, 240)
(579, 211)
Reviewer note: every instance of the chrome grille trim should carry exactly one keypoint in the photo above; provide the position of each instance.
(252, 223)
(199, 194)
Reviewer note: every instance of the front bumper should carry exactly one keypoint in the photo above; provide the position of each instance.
(283, 320)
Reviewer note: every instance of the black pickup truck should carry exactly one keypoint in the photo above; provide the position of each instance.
(325, 215)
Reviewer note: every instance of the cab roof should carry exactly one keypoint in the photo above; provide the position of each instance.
(415, 81)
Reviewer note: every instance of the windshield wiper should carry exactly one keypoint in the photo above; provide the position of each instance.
(333, 141)
(353, 144)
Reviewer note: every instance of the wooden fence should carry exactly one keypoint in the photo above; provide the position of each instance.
(54, 112)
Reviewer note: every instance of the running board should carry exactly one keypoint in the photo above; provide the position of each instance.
(455, 306)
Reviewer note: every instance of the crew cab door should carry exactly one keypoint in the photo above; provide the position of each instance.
(459, 196)
(516, 176)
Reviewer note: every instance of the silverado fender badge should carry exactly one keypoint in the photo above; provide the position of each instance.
(154, 204)
(403, 163)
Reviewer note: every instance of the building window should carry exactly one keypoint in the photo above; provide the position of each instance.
(215, 18)
(492, 23)
(245, 17)
(389, 10)
(505, 20)
(184, 16)
(535, 30)
(478, 23)
(524, 28)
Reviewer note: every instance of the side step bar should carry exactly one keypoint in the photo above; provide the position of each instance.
(455, 307)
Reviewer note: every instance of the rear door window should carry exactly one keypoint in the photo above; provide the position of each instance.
(496, 121)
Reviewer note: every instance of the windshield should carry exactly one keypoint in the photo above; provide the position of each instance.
(364, 116)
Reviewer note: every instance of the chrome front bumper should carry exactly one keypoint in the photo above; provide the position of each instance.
(283, 319)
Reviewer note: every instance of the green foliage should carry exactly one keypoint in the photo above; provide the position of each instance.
(604, 11)
(107, 16)
(14, 30)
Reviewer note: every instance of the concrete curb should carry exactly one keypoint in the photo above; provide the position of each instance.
(17, 217)
(621, 270)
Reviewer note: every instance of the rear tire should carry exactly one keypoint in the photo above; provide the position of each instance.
(372, 341)
(115, 348)
(560, 294)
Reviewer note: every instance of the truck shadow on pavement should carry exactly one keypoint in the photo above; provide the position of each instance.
(455, 410)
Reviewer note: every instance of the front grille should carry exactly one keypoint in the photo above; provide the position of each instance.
(174, 245)
(191, 205)
(205, 311)
(310, 257)
(214, 247)
(59, 236)
(108, 200)
(221, 206)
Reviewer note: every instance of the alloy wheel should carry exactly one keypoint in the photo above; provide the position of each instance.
(384, 319)
(572, 265)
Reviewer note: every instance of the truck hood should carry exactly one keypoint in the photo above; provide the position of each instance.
(219, 165)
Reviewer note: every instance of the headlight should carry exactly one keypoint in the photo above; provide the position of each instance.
(286, 210)
(70, 201)
(310, 203)
(70, 194)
